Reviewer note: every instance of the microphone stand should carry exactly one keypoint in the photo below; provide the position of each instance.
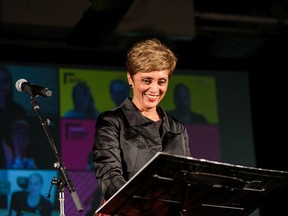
(65, 180)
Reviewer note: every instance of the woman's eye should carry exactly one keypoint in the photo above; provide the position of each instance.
(146, 81)
(162, 82)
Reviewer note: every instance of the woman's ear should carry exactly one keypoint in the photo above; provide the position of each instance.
(130, 81)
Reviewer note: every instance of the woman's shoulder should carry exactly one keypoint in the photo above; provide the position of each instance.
(175, 124)
(110, 115)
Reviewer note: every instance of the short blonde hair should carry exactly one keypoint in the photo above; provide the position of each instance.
(150, 55)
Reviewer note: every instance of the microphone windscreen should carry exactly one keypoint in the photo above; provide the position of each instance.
(18, 84)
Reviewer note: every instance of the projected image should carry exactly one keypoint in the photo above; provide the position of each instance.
(5, 189)
(76, 143)
(29, 184)
(83, 95)
(119, 90)
(43, 76)
(192, 100)
(182, 103)
(86, 91)
(24, 144)
(19, 157)
(83, 103)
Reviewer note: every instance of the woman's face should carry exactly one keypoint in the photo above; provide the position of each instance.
(20, 137)
(82, 97)
(34, 185)
(149, 88)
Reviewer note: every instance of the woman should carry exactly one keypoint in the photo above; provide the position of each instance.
(129, 136)
(83, 103)
(31, 202)
(9, 112)
(20, 138)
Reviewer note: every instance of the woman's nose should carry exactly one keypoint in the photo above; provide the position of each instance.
(154, 87)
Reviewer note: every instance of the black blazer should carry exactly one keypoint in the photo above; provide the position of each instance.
(125, 141)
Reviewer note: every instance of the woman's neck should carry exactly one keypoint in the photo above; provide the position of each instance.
(33, 200)
(151, 114)
(20, 153)
(148, 113)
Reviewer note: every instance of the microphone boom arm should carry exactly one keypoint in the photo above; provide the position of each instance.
(59, 164)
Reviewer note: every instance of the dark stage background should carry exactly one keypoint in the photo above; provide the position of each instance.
(246, 37)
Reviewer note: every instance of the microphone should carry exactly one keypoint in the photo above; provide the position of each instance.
(32, 89)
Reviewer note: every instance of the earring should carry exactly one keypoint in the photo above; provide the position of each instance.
(130, 85)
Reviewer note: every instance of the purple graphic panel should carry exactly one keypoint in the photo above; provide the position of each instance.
(77, 137)
(87, 190)
(204, 141)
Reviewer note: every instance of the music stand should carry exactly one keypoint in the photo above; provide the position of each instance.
(178, 185)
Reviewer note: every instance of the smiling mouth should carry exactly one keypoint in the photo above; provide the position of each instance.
(151, 96)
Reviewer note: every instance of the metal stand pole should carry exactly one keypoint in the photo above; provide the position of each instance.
(61, 201)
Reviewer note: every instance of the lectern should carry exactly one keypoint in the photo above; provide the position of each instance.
(170, 185)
